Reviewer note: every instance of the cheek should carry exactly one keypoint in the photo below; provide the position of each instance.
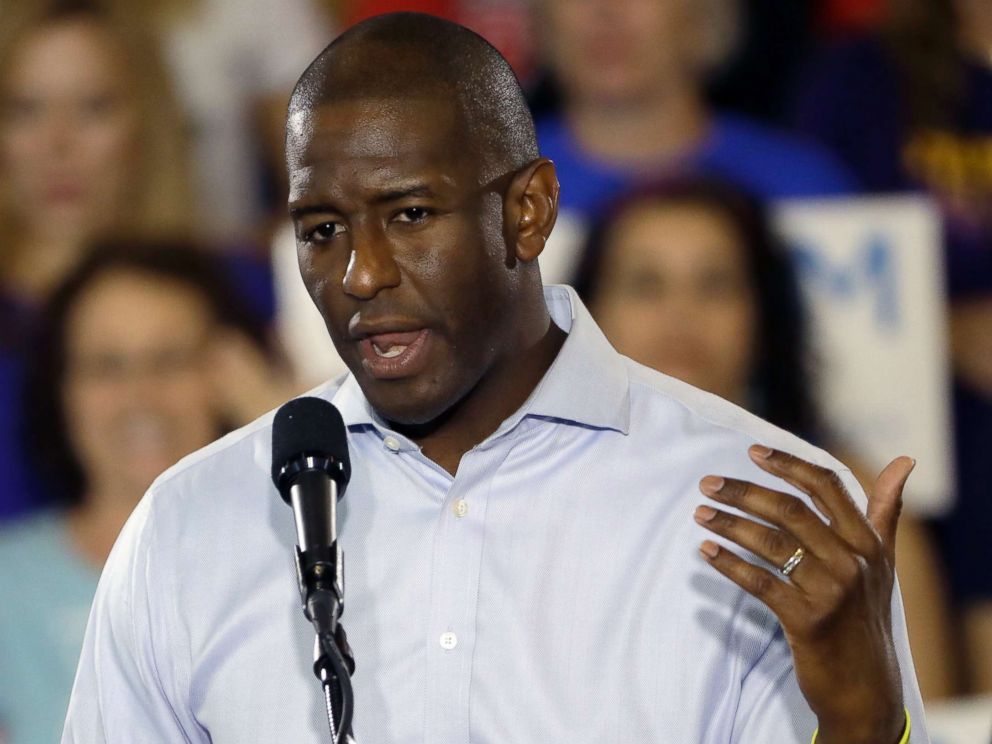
(107, 150)
(323, 274)
(186, 400)
(728, 329)
(90, 410)
(632, 326)
(21, 147)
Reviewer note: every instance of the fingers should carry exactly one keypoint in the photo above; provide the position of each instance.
(775, 546)
(885, 499)
(827, 491)
(782, 510)
(760, 583)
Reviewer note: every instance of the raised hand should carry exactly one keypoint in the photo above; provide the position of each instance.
(833, 591)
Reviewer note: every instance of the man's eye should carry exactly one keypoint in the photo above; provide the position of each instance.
(412, 214)
(323, 232)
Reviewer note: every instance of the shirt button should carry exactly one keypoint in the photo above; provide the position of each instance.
(448, 640)
(460, 508)
(392, 443)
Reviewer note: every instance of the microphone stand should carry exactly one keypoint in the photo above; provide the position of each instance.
(321, 582)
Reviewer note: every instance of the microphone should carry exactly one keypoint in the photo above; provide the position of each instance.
(311, 470)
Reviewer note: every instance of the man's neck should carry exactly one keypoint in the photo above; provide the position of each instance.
(503, 390)
(645, 133)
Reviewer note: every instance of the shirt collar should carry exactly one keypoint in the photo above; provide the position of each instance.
(587, 384)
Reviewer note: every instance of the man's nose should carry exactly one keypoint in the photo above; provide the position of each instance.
(372, 265)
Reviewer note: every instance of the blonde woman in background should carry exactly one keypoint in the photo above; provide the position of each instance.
(91, 140)
(233, 64)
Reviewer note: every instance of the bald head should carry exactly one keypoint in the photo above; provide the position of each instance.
(403, 56)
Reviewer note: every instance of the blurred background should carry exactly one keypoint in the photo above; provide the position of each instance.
(788, 204)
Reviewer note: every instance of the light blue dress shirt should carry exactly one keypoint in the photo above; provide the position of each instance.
(550, 592)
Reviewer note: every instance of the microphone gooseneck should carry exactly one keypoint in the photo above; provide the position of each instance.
(311, 469)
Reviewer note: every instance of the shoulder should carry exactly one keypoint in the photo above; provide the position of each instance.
(182, 526)
(225, 483)
(556, 142)
(714, 428)
(23, 538)
(801, 166)
(780, 163)
(252, 439)
(35, 562)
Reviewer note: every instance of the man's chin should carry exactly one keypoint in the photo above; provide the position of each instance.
(408, 408)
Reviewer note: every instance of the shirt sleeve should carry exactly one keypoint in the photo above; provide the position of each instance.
(771, 706)
(124, 689)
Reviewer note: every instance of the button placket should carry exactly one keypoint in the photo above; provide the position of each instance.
(457, 557)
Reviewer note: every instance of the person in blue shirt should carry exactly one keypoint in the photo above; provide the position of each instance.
(504, 590)
(632, 108)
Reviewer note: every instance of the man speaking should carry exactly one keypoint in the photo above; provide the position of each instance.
(526, 559)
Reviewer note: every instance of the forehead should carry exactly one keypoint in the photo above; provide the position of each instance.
(66, 55)
(367, 135)
(677, 233)
(125, 307)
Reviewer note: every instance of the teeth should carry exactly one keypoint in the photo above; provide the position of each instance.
(394, 351)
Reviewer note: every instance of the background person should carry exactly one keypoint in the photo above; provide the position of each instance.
(91, 140)
(632, 107)
(129, 374)
(909, 109)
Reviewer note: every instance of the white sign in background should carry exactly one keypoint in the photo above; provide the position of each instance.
(872, 274)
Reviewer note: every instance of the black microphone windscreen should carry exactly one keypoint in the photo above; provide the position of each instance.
(308, 427)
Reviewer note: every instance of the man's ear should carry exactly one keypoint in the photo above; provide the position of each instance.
(531, 209)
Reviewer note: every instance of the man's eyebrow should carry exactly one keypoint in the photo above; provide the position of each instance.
(419, 189)
(301, 211)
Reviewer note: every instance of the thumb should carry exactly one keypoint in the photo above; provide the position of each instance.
(885, 499)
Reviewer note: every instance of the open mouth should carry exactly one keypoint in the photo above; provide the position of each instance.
(389, 356)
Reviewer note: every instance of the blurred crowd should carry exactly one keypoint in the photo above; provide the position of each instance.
(149, 300)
